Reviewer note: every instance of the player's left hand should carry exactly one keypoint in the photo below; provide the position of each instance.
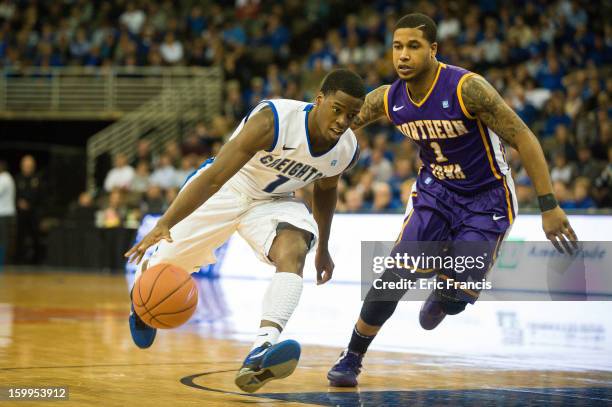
(559, 231)
(324, 265)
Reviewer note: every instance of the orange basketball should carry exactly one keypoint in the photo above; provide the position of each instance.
(165, 296)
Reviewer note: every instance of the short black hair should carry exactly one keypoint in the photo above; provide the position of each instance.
(421, 22)
(345, 80)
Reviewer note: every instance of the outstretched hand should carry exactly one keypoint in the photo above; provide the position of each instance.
(324, 265)
(559, 231)
(137, 252)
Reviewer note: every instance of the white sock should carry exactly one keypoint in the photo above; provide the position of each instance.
(266, 334)
(279, 302)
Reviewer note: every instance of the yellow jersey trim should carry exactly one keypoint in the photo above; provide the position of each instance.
(386, 103)
(459, 85)
(431, 88)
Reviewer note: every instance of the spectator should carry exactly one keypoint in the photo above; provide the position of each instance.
(7, 211)
(402, 171)
(525, 193)
(187, 168)
(587, 166)
(83, 212)
(380, 167)
(113, 215)
(563, 195)
(141, 180)
(120, 176)
(562, 170)
(143, 153)
(153, 202)
(172, 149)
(171, 50)
(581, 200)
(354, 200)
(164, 175)
(133, 18)
(29, 188)
(383, 198)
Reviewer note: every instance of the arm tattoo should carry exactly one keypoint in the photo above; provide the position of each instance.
(373, 108)
(483, 101)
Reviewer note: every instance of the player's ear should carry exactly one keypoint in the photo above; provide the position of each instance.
(433, 49)
(319, 99)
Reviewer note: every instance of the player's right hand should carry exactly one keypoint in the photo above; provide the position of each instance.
(137, 252)
(559, 231)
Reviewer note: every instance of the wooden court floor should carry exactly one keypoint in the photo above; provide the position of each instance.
(70, 329)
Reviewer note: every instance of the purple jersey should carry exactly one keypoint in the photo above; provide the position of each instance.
(456, 148)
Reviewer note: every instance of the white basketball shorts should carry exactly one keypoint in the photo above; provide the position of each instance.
(197, 236)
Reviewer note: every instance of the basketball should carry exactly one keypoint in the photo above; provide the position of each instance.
(165, 296)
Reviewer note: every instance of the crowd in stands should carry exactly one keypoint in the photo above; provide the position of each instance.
(550, 60)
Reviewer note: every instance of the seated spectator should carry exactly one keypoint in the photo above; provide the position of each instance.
(113, 214)
(83, 212)
(562, 170)
(172, 149)
(556, 117)
(153, 201)
(587, 166)
(564, 144)
(187, 168)
(164, 176)
(171, 50)
(353, 200)
(402, 171)
(525, 194)
(380, 167)
(140, 182)
(120, 176)
(581, 198)
(382, 198)
(143, 153)
(563, 195)
(194, 144)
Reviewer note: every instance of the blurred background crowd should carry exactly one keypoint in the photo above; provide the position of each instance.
(550, 60)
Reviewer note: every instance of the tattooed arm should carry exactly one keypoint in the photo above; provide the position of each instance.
(373, 108)
(482, 101)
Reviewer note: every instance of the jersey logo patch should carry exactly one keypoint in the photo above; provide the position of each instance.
(334, 162)
(445, 104)
(395, 108)
(288, 148)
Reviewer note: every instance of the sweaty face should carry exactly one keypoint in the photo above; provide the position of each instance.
(336, 113)
(412, 53)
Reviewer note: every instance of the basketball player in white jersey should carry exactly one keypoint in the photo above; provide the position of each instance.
(279, 147)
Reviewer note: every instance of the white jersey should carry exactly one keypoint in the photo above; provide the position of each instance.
(289, 164)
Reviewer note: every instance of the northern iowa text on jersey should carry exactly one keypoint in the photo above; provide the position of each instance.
(433, 129)
(292, 168)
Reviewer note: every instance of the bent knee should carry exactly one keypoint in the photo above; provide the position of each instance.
(289, 249)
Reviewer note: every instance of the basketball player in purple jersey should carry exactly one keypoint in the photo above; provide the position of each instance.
(464, 191)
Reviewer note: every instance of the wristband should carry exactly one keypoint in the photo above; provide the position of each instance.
(547, 202)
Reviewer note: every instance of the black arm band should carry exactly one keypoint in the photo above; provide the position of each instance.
(547, 202)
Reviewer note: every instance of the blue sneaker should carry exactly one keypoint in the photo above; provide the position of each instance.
(344, 373)
(431, 313)
(142, 334)
(268, 362)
